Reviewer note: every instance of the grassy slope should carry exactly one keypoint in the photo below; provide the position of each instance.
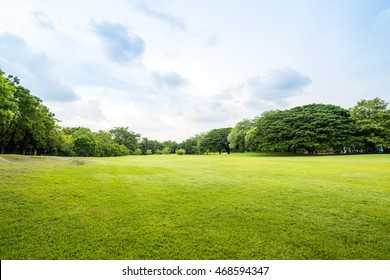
(195, 207)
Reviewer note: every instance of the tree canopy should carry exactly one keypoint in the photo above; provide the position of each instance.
(237, 135)
(25, 123)
(311, 127)
(216, 141)
(372, 118)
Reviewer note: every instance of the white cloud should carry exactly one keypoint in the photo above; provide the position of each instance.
(213, 40)
(120, 43)
(168, 79)
(43, 20)
(383, 18)
(35, 69)
(272, 89)
(161, 16)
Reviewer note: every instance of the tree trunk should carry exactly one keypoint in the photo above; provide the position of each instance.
(310, 150)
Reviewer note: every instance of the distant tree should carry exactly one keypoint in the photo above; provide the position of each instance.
(155, 146)
(216, 141)
(8, 107)
(192, 144)
(252, 141)
(180, 151)
(103, 144)
(372, 118)
(124, 150)
(84, 146)
(115, 150)
(25, 123)
(148, 152)
(166, 150)
(272, 132)
(43, 132)
(65, 143)
(138, 152)
(172, 145)
(237, 135)
(122, 135)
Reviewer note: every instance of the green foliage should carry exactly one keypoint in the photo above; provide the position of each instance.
(124, 150)
(138, 152)
(311, 128)
(180, 151)
(372, 119)
(215, 141)
(8, 106)
(66, 144)
(192, 144)
(103, 144)
(151, 145)
(236, 137)
(122, 136)
(166, 150)
(170, 146)
(84, 146)
(148, 152)
(252, 142)
(25, 123)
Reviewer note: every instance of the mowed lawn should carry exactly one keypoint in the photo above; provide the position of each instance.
(239, 206)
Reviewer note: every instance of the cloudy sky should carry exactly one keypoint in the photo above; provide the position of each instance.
(170, 69)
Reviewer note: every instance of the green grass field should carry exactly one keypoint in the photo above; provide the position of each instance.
(195, 207)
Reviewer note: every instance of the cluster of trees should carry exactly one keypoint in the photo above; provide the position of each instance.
(25, 123)
(28, 127)
(317, 128)
(118, 141)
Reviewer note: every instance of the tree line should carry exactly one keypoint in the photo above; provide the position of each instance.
(28, 127)
(317, 128)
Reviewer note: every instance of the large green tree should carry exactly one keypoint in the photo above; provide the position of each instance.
(25, 123)
(216, 141)
(8, 107)
(192, 144)
(122, 136)
(84, 146)
(103, 144)
(372, 119)
(237, 135)
(311, 127)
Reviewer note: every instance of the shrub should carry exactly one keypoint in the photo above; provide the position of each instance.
(180, 152)
(166, 150)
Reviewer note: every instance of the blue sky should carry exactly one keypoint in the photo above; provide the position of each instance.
(171, 69)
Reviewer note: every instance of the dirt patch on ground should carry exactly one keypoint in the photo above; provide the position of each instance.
(17, 158)
(3, 160)
(77, 162)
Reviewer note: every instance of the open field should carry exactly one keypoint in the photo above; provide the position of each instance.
(195, 207)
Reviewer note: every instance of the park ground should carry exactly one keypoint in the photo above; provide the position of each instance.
(238, 206)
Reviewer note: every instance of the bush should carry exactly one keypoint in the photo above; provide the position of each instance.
(148, 152)
(180, 152)
(138, 152)
(166, 150)
(124, 150)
